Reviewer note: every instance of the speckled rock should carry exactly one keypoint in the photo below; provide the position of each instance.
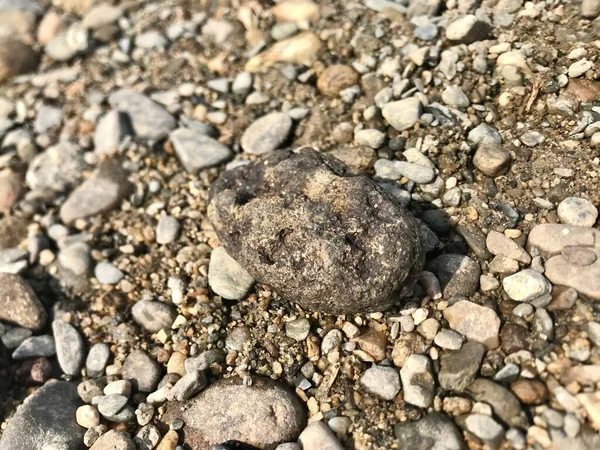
(19, 303)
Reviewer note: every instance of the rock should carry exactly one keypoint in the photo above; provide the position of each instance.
(370, 138)
(34, 372)
(407, 344)
(187, 386)
(19, 303)
(149, 120)
(100, 193)
(468, 29)
(475, 322)
(226, 277)
(110, 405)
(577, 211)
(488, 283)
(68, 44)
(47, 118)
(220, 413)
(147, 437)
(403, 114)
(107, 273)
(449, 340)
(16, 58)
(297, 329)
(111, 130)
(505, 405)
(197, 151)
(50, 26)
(167, 230)
(114, 440)
(238, 338)
(459, 368)
(153, 315)
(455, 97)
(458, 274)
(579, 256)
(142, 370)
(97, 359)
(295, 11)
(491, 159)
(70, 347)
(580, 67)
(373, 342)
(500, 245)
(590, 9)
(11, 188)
(485, 428)
(514, 338)
(417, 381)
(303, 48)
(56, 169)
(169, 441)
(204, 360)
(13, 337)
(435, 431)
(289, 190)
(526, 285)
(318, 436)
(35, 346)
(415, 172)
(75, 258)
(267, 133)
(550, 239)
(335, 79)
(13, 231)
(101, 16)
(381, 381)
(530, 392)
(48, 415)
(587, 375)
(484, 133)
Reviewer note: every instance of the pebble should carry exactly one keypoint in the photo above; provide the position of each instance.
(187, 386)
(590, 8)
(417, 381)
(120, 387)
(504, 404)
(484, 427)
(15, 336)
(56, 169)
(500, 245)
(110, 131)
(580, 67)
(227, 277)
(435, 431)
(403, 114)
(147, 437)
(197, 151)
(107, 273)
(577, 211)
(448, 340)
(11, 188)
(475, 322)
(488, 283)
(491, 159)
(319, 436)
(455, 97)
(142, 370)
(169, 441)
(16, 58)
(468, 29)
(101, 16)
(34, 372)
(87, 416)
(149, 120)
(335, 79)
(242, 84)
(238, 338)
(370, 138)
(530, 392)
(484, 133)
(459, 368)
(204, 360)
(48, 118)
(457, 274)
(298, 329)
(381, 381)
(151, 40)
(168, 230)
(267, 133)
(153, 315)
(296, 11)
(19, 304)
(35, 346)
(526, 285)
(507, 374)
(70, 347)
(114, 440)
(101, 192)
(110, 405)
(415, 172)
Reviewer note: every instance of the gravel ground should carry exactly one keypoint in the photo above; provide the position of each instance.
(448, 214)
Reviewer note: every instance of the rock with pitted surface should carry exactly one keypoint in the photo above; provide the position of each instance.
(220, 413)
(328, 241)
(19, 304)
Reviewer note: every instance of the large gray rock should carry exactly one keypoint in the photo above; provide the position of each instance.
(197, 151)
(330, 242)
(19, 304)
(221, 413)
(46, 417)
(149, 120)
(435, 431)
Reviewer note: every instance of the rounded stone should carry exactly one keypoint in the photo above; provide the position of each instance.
(153, 315)
(142, 370)
(336, 78)
(491, 159)
(267, 133)
(220, 413)
(330, 242)
(577, 211)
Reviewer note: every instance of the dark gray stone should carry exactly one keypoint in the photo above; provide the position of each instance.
(142, 370)
(70, 348)
(459, 368)
(458, 274)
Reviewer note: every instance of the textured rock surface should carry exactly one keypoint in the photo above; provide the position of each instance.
(297, 223)
(19, 304)
(220, 413)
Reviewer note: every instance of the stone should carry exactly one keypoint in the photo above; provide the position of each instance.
(370, 138)
(587, 375)
(70, 347)
(227, 277)
(491, 159)
(526, 285)
(57, 168)
(484, 133)
(577, 211)
(415, 172)
(168, 230)
(591, 404)
(407, 344)
(590, 9)
(153, 315)
(296, 11)
(87, 416)
(197, 151)
(35, 346)
(435, 431)
(111, 404)
(488, 283)
(16, 58)
(238, 338)
(97, 359)
(417, 381)
(403, 114)
(550, 239)
(335, 79)
(204, 360)
(530, 392)
(514, 338)
(289, 190)
(187, 386)
(110, 131)
(267, 133)
(149, 120)
(101, 16)
(103, 191)
(48, 416)
(147, 437)
(382, 381)
(448, 340)
(19, 304)
(12, 188)
(114, 440)
(169, 441)
(220, 413)
(47, 118)
(458, 274)
(504, 404)
(142, 370)
(468, 29)
(500, 245)
(475, 322)
(34, 372)
(107, 273)
(319, 436)
(297, 329)
(455, 97)
(50, 26)
(484, 427)
(374, 343)
(13, 337)
(460, 368)
(303, 48)
(580, 67)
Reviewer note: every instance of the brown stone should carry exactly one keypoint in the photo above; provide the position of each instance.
(406, 345)
(374, 343)
(514, 338)
(11, 188)
(358, 159)
(16, 58)
(169, 441)
(530, 392)
(583, 89)
(19, 303)
(336, 78)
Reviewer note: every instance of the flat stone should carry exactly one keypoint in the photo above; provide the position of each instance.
(475, 322)
(500, 245)
(415, 172)
(101, 16)
(417, 381)
(227, 277)
(220, 413)
(318, 436)
(153, 315)
(57, 168)
(34, 347)
(577, 211)
(455, 97)
(459, 368)
(204, 360)
(526, 285)
(101, 192)
(403, 114)
(19, 303)
(197, 151)
(114, 440)
(458, 274)
(435, 431)
(149, 120)
(110, 131)
(48, 416)
(303, 48)
(109, 405)
(70, 347)
(550, 239)
(142, 370)
(484, 427)
(449, 340)
(267, 133)
(97, 359)
(382, 381)
(503, 402)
